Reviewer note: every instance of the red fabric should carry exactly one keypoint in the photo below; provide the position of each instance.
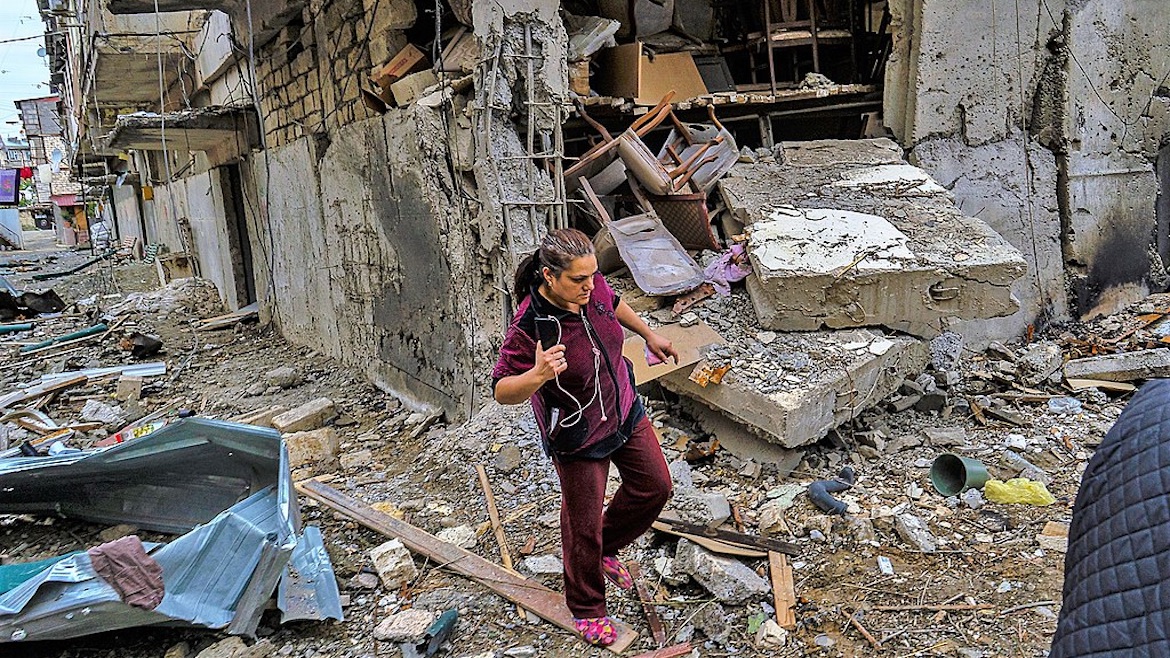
(134, 575)
(588, 533)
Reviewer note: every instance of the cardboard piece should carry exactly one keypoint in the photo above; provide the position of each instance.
(687, 340)
(624, 72)
(408, 60)
(406, 90)
(461, 53)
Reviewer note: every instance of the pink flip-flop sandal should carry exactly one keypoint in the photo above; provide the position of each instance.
(598, 631)
(616, 572)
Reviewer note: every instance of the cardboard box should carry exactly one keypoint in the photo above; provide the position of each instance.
(624, 72)
(411, 87)
(408, 60)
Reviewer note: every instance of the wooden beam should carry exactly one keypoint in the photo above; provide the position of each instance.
(783, 590)
(497, 527)
(656, 628)
(530, 594)
(755, 541)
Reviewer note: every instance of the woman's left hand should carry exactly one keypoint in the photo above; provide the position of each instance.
(661, 347)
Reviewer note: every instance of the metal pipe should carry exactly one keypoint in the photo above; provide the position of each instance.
(96, 329)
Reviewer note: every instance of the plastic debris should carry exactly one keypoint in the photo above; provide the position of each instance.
(1018, 490)
(820, 492)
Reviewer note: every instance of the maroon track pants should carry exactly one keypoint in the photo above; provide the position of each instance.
(588, 532)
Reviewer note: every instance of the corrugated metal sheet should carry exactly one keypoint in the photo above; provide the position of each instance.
(226, 485)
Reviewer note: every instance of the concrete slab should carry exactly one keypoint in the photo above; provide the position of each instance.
(844, 234)
(792, 388)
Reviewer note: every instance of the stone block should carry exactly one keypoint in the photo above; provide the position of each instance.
(728, 580)
(394, 564)
(830, 378)
(315, 448)
(874, 241)
(1123, 367)
(708, 509)
(406, 626)
(308, 416)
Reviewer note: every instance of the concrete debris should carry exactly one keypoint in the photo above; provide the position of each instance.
(913, 260)
(770, 636)
(1123, 367)
(394, 564)
(308, 416)
(316, 449)
(406, 626)
(508, 459)
(728, 580)
(544, 565)
(283, 377)
(105, 414)
(708, 509)
(713, 621)
(462, 536)
(914, 532)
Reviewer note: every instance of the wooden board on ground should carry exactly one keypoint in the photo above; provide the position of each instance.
(16, 397)
(783, 590)
(688, 341)
(530, 594)
(713, 545)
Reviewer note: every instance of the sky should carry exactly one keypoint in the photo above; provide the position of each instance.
(21, 70)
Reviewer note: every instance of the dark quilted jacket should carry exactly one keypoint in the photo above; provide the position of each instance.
(1117, 571)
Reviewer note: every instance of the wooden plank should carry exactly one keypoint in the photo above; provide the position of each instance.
(783, 590)
(497, 527)
(667, 652)
(530, 594)
(1103, 384)
(656, 628)
(713, 545)
(753, 541)
(16, 397)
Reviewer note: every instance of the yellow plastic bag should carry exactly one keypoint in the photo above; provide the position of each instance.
(1018, 490)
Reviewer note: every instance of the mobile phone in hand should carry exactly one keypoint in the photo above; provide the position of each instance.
(549, 331)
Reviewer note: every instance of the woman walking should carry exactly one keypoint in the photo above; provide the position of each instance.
(563, 353)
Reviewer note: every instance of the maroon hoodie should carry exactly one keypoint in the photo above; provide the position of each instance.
(590, 437)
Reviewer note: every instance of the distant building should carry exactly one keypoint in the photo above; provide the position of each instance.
(16, 153)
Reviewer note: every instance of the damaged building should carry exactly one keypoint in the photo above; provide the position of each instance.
(369, 172)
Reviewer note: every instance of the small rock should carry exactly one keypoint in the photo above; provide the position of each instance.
(972, 498)
(394, 564)
(462, 536)
(549, 565)
(942, 437)
(766, 337)
(180, 650)
(932, 401)
(521, 652)
(316, 449)
(1016, 442)
(824, 641)
(508, 458)
(770, 636)
(680, 474)
(688, 320)
(284, 377)
(665, 568)
(771, 517)
(945, 350)
(914, 532)
(255, 389)
(406, 626)
(363, 580)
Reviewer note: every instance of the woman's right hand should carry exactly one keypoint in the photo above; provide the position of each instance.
(550, 362)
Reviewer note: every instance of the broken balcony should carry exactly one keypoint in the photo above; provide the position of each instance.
(224, 132)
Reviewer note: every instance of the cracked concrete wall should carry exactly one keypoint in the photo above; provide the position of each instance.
(959, 90)
(1044, 119)
(1118, 116)
(509, 30)
(368, 251)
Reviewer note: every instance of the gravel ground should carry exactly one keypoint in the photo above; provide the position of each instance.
(987, 555)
